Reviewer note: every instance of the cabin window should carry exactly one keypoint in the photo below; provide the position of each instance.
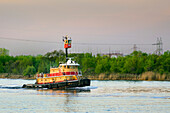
(68, 67)
(64, 66)
(71, 67)
(69, 41)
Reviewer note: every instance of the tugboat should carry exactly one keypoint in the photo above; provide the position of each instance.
(67, 75)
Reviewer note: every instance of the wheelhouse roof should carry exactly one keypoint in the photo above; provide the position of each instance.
(70, 63)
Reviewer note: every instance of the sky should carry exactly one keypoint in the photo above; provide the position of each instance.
(86, 21)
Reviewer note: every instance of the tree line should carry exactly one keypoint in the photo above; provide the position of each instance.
(135, 63)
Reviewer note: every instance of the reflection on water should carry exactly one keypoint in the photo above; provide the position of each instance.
(101, 96)
(72, 91)
(67, 101)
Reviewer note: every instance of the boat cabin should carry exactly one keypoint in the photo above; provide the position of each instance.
(67, 71)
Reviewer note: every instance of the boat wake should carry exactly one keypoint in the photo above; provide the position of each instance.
(83, 88)
(10, 87)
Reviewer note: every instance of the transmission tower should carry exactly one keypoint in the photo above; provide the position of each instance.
(159, 46)
(134, 47)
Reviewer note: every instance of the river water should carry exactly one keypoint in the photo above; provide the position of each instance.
(101, 96)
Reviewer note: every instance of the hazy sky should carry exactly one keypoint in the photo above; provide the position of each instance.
(86, 21)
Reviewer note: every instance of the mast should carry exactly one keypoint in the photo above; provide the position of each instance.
(66, 54)
(67, 44)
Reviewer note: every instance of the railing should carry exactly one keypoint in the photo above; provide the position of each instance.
(48, 75)
(41, 75)
(79, 73)
(70, 73)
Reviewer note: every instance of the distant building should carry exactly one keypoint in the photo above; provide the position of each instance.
(4, 51)
(112, 55)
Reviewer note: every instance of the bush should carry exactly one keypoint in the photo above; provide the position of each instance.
(30, 70)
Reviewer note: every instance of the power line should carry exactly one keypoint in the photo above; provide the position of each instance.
(27, 40)
(41, 41)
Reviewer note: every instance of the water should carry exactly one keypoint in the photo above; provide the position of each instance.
(101, 96)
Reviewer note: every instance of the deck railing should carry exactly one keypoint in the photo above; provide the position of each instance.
(41, 75)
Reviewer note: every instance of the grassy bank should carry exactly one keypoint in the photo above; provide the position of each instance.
(147, 76)
(12, 76)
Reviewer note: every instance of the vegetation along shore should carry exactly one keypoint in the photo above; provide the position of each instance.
(136, 66)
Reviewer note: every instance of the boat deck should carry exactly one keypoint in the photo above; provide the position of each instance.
(60, 85)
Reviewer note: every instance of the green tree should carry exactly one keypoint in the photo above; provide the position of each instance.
(30, 70)
(4, 52)
(1, 68)
(149, 65)
(98, 68)
(114, 67)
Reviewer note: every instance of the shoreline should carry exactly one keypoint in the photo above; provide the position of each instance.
(12, 76)
(147, 76)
